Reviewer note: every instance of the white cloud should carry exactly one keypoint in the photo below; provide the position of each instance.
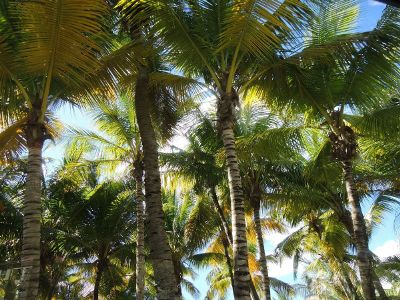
(375, 3)
(281, 269)
(389, 248)
(275, 238)
(284, 268)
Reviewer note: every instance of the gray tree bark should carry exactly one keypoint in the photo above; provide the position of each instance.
(140, 255)
(241, 274)
(160, 252)
(261, 249)
(99, 274)
(360, 234)
(30, 255)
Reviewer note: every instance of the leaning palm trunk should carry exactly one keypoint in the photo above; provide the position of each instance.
(240, 253)
(345, 217)
(225, 243)
(260, 242)
(378, 286)
(360, 234)
(160, 252)
(352, 290)
(221, 215)
(30, 256)
(140, 257)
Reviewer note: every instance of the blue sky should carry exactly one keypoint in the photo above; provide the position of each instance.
(384, 241)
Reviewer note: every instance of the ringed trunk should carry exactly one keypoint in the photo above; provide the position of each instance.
(30, 256)
(140, 257)
(263, 259)
(227, 242)
(99, 274)
(160, 252)
(360, 234)
(346, 219)
(241, 274)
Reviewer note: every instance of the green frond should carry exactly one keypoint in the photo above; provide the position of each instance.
(54, 43)
(333, 18)
(381, 122)
(281, 287)
(244, 32)
(12, 140)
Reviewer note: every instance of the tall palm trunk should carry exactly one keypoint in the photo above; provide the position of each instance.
(241, 274)
(360, 234)
(160, 252)
(30, 256)
(260, 242)
(345, 218)
(99, 275)
(227, 242)
(140, 257)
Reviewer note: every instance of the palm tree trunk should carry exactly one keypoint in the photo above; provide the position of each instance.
(360, 234)
(140, 257)
(345, 218)
(263, 259)
(99, 274)
(378, 286)
(348, 285)
(225, 243)
(30, 256)
(160, 252)
(224, 222)
(241, 274)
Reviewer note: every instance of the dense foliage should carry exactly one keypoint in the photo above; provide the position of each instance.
(215, 125)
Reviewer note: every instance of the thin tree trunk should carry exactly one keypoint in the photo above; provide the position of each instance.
(378, 286)
(360, 234)
(263, 258)
(30, 256)
(228, 242)
(345, 218)
(140, 257)
(99, 274)
(352, 292)
(240, 253)
(224, 222)
(160, 252)
(225, 112)
(225, 243)
(225, 231)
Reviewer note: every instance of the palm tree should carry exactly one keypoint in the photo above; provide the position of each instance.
(117, 145)
(222, 55)
(198, 166)
(360, 58)
(45, 57)
(259, 168)
(12, 181)
(190, 224)
(95, 225)
(156, 93)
